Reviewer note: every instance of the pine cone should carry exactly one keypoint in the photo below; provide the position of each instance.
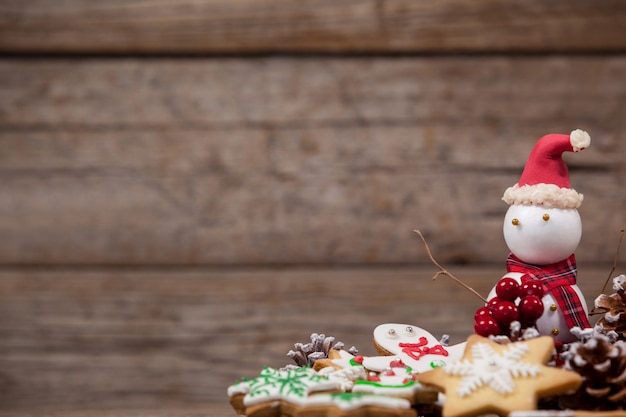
(603, 368)
(613, 306)
(307, 354)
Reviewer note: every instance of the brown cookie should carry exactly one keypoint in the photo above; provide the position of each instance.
(495, 378)
(355, 405)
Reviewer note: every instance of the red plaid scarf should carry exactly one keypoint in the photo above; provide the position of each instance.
(557, 279)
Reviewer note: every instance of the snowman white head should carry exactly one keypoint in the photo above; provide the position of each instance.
(542, 225)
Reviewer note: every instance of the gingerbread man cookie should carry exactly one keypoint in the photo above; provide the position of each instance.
(414, 346)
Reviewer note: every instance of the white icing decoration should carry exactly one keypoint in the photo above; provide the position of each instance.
(293, 385)
(542, 413)
(344, 377)
(402, 390)
(239, 388)
(399, 382)
(350, 401)
(378, 363)
(497, 371)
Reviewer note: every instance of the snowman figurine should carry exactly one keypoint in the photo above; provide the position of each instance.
(542, 229)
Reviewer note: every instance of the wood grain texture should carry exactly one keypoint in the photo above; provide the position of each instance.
(211, 410)
(292, 161)
(254, 26)
(203, 410)
(154, 338)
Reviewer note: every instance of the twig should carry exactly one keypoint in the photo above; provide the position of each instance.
(444, 271)
(619, 246)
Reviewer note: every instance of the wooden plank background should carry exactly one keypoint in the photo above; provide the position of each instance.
(188, 188)
(294, 160)
(253, 26)
(128, 338)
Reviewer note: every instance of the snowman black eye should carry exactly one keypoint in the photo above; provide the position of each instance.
(546, 217)
(515, 222)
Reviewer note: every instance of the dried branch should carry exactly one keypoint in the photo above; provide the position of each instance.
(595, 311)
(444, 271)
(619, 245)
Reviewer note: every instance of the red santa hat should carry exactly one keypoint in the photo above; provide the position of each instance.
(545, 179)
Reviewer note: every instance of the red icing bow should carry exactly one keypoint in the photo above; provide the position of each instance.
(417, 350)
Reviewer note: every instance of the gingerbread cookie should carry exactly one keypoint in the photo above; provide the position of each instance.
(278, 392)
(413, 345)
(337, 359)
(396, 380)
(499, 378)
(303, 392)
(355, 405)
(390, 377)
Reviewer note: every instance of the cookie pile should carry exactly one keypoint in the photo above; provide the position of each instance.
(331, 381)
(418, 375)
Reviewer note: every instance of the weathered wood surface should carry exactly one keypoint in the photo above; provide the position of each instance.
(154, 338)
(253, 26)
(205, 410)
(292, 161)
(211, 410)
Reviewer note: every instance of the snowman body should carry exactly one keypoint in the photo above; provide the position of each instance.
(543, 236)
(552, 317)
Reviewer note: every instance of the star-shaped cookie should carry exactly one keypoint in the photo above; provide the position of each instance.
(495, 378)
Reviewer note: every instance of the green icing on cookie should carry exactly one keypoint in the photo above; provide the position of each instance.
(289, 383)
(347, 396)
(355, 363)
(380, 385)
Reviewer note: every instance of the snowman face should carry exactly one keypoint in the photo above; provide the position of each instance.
(541, 236)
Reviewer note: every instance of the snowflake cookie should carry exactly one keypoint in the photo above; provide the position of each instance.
(278, 389)
(495, 378)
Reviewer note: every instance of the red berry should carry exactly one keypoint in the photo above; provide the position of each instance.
(492, 303)
(532, 287)
(483, 311)
(505, 312)
(507, 289)
(486, 326)
(531, 307)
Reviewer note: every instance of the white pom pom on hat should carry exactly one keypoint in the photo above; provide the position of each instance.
(545, 179)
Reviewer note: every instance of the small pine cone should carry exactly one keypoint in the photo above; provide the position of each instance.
(603, 368)
(614, 308)
(318, 348)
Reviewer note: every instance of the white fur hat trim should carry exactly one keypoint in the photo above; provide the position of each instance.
(547, 195)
